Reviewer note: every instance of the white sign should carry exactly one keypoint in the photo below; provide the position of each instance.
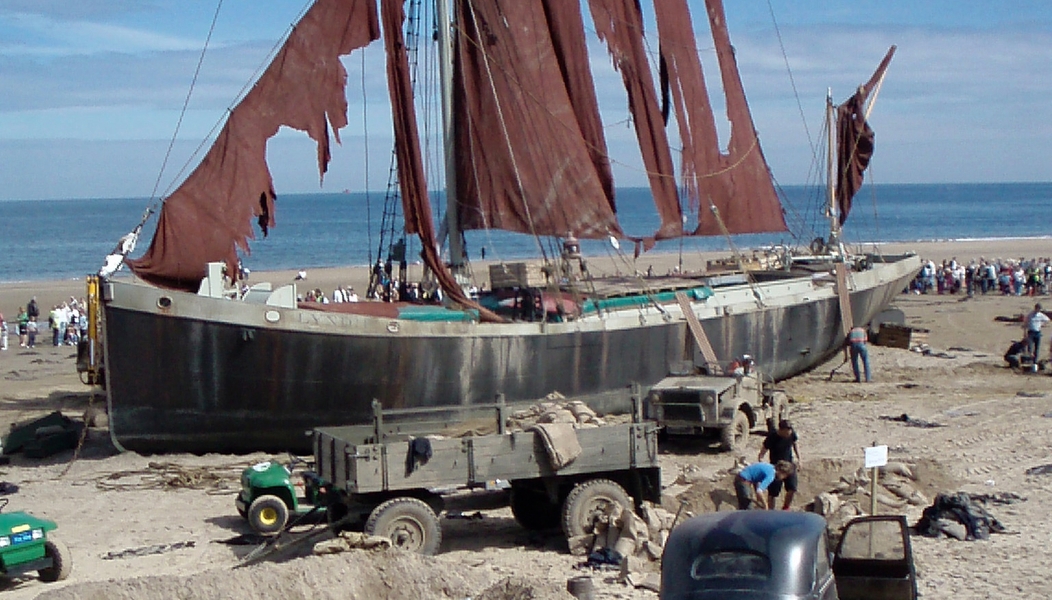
(876, 456)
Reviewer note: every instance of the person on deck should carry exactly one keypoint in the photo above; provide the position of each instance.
(753, 481)
(857, 340)
(1033, 324)
(781, 443)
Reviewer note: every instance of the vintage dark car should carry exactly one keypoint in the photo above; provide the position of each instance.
(760, 555)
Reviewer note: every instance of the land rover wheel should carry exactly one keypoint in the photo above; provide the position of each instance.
(588, 501)
(409, 523)
(735, 437)
(61, 561)
(268, 514)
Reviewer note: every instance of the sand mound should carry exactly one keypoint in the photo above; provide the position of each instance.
(377, 575)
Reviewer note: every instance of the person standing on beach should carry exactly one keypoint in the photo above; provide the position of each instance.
(23, 327)
(781, 443)
(1033, 323)
(32, 310)
(857, 340)
(3, 332)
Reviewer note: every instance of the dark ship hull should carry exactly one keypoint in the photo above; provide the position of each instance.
(197, 374)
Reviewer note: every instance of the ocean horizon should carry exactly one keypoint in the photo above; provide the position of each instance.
(68, 239)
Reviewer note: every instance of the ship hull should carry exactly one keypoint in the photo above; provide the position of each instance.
(198, 374)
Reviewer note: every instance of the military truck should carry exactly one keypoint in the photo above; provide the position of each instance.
(729, 406)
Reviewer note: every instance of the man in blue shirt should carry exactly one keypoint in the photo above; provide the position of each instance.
(754, 479)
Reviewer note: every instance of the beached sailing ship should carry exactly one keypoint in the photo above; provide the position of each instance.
(188, 365)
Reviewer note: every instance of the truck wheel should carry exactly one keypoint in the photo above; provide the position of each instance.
(587, 501)
(409, 523)
(532, 509)
(736, 435)
(779, 406)
(61, 561)
(268, 514)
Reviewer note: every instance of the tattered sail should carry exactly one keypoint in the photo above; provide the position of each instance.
(210, 215)
(620, 24)
(736, 184)
(411, 177)
(855, 140)
(530, 151)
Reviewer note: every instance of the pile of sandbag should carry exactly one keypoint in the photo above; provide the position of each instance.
(850, 497)
(555, 408)
(632, 543)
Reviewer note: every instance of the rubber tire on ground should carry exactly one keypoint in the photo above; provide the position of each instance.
(268, 514)
(533, 510)
(409, 523)
(587, 500)
(735, 437)
(62, 561)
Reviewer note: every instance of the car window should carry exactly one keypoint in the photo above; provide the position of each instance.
(873, 540)
(736, 565)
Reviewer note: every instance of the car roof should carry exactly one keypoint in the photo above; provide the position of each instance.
(787, 540)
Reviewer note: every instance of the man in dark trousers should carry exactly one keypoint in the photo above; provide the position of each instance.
(753, 481)
(781, 443)
(32, 310)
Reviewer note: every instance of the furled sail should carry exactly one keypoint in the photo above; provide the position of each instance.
(530, 151)
(620, 24)
(209, 216)
(737, 184)
(855, 140)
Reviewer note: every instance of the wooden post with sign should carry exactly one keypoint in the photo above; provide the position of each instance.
(876, 457)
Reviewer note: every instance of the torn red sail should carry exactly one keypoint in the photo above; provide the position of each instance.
(530, 152)
(736, 184)
(210, 215)
(620, 24)
(411, 178)
(855, 140)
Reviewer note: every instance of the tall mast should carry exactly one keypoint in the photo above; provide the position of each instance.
(445, 61)
(833, 211)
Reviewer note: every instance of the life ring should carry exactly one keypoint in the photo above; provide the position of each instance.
(818, 246)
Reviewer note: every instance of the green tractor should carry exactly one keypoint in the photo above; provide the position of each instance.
(268, 496)
(26, 547)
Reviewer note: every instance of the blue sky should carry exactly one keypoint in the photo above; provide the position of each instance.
(91, 91)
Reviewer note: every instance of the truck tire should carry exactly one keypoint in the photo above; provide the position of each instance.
(409, 523)
(268, 515)
(533, 510)
(735, 437)
(61, 561)
(587, 501)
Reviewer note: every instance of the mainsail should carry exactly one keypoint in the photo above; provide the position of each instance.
(855, 140)
(210, 215)
(530, 154)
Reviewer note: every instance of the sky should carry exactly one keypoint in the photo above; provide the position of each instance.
(92, 91)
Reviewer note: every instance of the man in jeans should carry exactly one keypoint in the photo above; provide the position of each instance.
(1033, 323)
(754, 480)
(857, 340)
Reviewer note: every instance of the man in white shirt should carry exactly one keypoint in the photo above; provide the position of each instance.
(1033, 323)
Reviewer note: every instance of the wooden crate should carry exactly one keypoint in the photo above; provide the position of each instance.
(900, 336)
(507, 275)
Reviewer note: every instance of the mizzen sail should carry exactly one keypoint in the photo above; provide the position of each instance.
(209, 216)
(855, 140)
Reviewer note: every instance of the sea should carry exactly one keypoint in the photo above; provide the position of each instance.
(68, 239)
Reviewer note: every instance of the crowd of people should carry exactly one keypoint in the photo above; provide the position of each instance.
(67, 322)
(1015, 277)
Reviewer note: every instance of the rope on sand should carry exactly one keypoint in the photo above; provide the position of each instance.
(220, 479)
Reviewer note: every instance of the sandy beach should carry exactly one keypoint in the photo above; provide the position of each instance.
(153, 526)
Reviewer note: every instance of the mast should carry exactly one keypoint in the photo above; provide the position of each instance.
(833, 212)
(445, 61)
